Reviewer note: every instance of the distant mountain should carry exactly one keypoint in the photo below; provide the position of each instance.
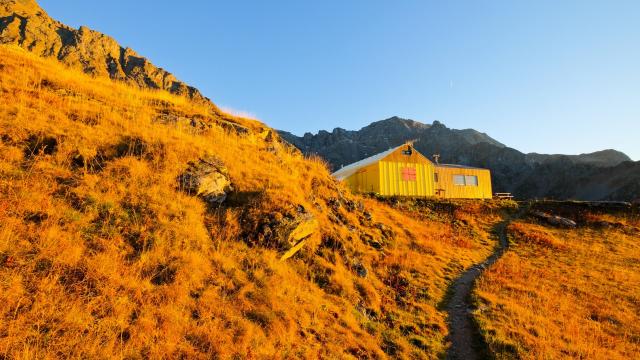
(603, 175)
(25, 24)
(342, 147)
(603, 158)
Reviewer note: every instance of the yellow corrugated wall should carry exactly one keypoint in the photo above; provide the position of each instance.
(365, 180)
(449, 190)
(385, 178)
(391, 182)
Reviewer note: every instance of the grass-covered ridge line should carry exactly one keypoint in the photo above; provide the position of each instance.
(103, 255)
(565, 293)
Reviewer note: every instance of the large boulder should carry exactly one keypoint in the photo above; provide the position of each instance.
(554, 219)
(299, 235)
(286, 229)
(207, 178)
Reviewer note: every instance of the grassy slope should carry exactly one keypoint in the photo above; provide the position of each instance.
(565, 293)
(113, 260)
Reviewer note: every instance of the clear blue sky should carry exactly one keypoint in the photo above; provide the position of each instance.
(546, 75)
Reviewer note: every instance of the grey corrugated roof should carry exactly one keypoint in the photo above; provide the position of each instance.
(459, 166)
(349, 170)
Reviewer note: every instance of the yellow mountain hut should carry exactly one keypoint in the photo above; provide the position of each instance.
(403, 171)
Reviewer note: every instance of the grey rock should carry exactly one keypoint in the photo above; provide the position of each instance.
(554, 219)
(361, 270)
(207, 178)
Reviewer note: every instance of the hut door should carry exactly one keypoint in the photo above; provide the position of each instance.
(439, 191)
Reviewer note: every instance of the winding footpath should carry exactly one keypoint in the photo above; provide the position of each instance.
(462, 330)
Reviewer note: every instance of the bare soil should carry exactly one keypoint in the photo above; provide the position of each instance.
(466, 343)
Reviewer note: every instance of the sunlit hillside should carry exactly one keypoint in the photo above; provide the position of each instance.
(104, 254)
(560, 293)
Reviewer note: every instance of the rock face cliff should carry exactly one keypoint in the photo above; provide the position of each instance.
(342, 147)
(603, 175)
(24, 23)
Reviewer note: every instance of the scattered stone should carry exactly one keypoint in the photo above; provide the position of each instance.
(304, 229)
(332, 242)
(40, 145)
(333, 203)
(361, 270)
(36, 217)
(197, 122)
(554, 219)
(233, 127)
(350, 205)
(298, 237)
(368, 239)
(387, 232)
(207, 178)
(162, 274)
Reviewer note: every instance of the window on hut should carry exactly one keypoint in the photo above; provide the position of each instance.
(471, 180)
(458, 180)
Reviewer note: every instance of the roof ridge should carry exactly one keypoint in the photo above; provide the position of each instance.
(348, 170)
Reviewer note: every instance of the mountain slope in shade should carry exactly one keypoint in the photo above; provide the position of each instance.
(24, 23)
(603, 158)
(603, 175)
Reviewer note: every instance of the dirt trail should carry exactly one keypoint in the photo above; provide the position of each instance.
(462, 331)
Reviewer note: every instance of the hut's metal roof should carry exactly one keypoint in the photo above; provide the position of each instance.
(456, 166)
(349, 170)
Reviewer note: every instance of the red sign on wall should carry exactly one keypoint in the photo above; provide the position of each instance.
(408, 174)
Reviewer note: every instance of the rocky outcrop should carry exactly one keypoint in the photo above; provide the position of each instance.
(25, 24)
(285, 229)
(207, 178)
(603, 175)
(299, 235)
(554, 220)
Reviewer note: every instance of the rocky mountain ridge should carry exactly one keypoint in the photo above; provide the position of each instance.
(602, 175)
(24, 23)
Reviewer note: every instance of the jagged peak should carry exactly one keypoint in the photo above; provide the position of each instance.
(438, 124)
(21, 7)
(27, 25)
(396, 120)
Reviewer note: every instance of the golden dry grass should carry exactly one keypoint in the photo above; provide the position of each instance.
(103, 256)
(560, 293)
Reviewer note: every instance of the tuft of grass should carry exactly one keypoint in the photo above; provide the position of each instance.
(534, 235)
